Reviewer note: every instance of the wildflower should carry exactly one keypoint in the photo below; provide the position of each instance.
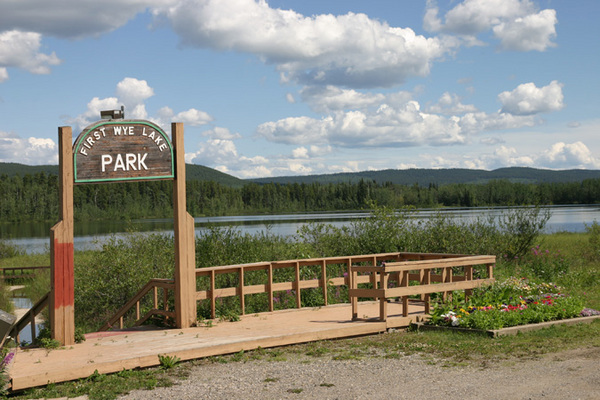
(588, 312)
(6, 361)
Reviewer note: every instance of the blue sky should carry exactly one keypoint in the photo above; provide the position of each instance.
(296, 87)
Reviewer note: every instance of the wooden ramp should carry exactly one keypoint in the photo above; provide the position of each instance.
(109, 352)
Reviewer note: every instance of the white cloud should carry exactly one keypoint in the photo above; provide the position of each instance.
(573, 155)
(450, 104)
(401, 125)
(31, 151)
(532, 32)
(221, 133)
(560, 155)
(71, 18)
(22, 50)
(475, 123)
(214, 152)
(492, 141)
(191, 117)
(300, 152)
(133, 93)
(349, 50)
(474, 16)
(528, 99)
(92, 113)
(516, 23)
(330, 98)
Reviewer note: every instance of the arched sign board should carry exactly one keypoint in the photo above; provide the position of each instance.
(122, 150)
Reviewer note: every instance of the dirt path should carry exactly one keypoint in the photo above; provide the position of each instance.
(567, 375)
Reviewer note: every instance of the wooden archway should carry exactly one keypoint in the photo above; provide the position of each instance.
(62, 295)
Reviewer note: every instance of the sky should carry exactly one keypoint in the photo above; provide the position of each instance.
(304, 87)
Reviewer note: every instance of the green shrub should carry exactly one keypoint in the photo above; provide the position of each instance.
(8, 250)
(594, 231)
(116, 273)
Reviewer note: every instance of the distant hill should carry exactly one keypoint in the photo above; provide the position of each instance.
(202, 173)
(422, 177)
(12, 169)
(425, 177)
(192, 172)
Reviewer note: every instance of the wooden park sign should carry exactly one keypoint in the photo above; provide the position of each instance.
(119, 150)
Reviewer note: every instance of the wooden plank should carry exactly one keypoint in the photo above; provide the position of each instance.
(440, 263)
(373, 293)
(440, 287)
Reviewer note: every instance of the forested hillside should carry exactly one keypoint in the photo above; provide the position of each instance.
(35, 197)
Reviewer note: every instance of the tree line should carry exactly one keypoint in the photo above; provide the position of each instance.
(36, 198)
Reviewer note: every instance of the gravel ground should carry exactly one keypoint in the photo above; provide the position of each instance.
(567, 375)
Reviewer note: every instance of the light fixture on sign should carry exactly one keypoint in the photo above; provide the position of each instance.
(113, 114)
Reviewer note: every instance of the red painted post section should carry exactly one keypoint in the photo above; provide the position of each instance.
(62, 297)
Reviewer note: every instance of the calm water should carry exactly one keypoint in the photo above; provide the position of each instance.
(34, 237)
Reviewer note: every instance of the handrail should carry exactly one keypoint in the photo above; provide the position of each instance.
(29, 319)
(212, 292)
(320, 278)
(22, 274)
(165, 284)
(427, 282)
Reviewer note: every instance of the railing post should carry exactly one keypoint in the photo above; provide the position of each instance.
(324, 279)
(404, 283)
(426, 281)
(490, 270)
(213, 306)
(298, 297)
(241, 291)
(270, 286)
(468, 277)
(383, 276)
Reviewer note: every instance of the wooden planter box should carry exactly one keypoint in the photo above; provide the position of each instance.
(510, 331)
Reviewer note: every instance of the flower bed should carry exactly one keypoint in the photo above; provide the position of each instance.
(513, 302)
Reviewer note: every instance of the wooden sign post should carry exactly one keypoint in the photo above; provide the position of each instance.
(62, 294)
(115, 151)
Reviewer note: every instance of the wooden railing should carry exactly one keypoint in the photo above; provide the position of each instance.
(20, 272)
(151, 287)
(294, 276)
(29, 319)
(418, 278)
(320, 268)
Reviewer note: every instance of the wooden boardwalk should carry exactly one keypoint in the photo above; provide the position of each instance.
(109, 352)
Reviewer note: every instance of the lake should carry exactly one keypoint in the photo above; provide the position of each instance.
(35, 237)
